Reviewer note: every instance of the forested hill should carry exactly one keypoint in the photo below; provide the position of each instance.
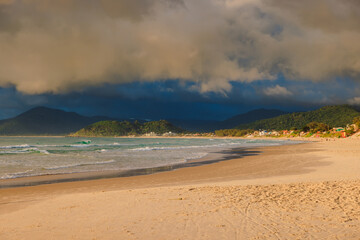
(126, 128)
(334, 116)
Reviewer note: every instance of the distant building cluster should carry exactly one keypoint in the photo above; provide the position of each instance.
(167, 134)
(340, 132)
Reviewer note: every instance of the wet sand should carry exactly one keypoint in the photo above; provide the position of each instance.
(213, 157)
(305, 191)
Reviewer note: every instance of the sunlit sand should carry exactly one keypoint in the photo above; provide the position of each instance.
(305, 191)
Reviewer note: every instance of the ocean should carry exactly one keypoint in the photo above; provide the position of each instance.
(37, 156)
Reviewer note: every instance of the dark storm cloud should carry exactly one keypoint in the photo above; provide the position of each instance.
(67, 45)
(173, 99)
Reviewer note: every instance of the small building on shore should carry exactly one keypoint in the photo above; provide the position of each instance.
(169, 134)
(151, 134)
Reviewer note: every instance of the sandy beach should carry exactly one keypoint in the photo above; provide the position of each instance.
(304, 191)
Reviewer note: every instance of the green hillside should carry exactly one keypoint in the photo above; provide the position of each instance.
(334, 116)
(125, 128)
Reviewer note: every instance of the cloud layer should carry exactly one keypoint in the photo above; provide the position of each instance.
(277, 91)
(66, 45)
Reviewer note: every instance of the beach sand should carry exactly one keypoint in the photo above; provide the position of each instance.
(305, 191)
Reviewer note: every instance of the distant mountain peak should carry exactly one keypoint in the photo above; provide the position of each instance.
(42, 108)
(46, 121)
(211, 125)
(251, 116)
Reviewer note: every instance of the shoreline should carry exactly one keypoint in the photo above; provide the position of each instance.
(211, 158)
(249, 168)
(225, 154)
(194, 137)
(302, 191)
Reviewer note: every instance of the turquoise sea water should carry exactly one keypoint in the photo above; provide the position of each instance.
(35, 156)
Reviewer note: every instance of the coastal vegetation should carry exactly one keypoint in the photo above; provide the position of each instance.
(233, 132)
(314, 127)
(330, 121)
(356, 121)
(333, 116)
(126, 128)
(327, 122)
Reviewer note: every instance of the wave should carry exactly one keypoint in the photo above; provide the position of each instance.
(84, 142)
(218, 145)
(44, 151)
(88, 145)
(18, 174)
(25, 150)
(79, 165)
(32, 172)
(16, 146)
(197, 156)
(64, 145)
(184, 147)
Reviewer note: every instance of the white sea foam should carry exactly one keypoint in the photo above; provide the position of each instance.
(79, 165)
(196, 156)
(65, 145)
(22, 157)
(22, 151)
(16, 146)
(44, 151)
(96, 145)
(17, 174)
(184, 147)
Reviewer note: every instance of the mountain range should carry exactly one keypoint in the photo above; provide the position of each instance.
(47, 121)
(206, 125)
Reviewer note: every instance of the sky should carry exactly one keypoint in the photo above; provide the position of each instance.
(189, 59)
